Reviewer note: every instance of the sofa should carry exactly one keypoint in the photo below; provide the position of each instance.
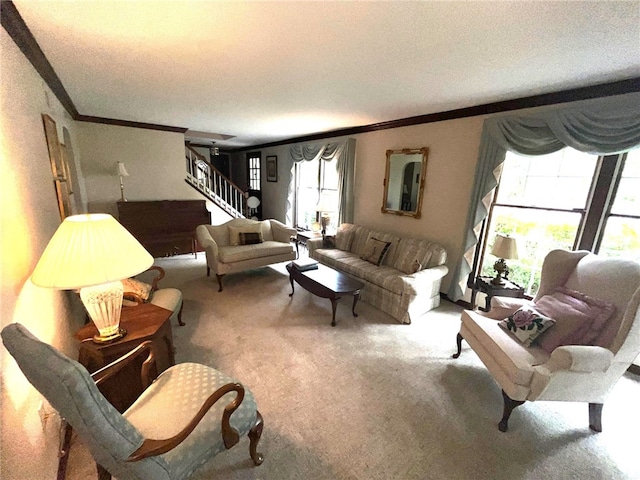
(242, 244)
(402, 275)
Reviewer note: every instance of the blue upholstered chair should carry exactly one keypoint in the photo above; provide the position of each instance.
(189, 414)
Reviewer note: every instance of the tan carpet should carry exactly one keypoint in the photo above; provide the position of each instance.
(373, 399)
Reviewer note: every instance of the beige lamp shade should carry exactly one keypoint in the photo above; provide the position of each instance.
(122, 171)
(93, 253)
(327, 203)
(90, 250)
(505, 247)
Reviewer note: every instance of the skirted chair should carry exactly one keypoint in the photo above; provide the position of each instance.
(572, 343)
(189, 414)
(137, 292)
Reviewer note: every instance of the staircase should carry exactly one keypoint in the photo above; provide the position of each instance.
(211, 183)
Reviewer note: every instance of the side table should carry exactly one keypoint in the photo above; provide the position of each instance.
(484, 285)
(142, 322)
(302, 238)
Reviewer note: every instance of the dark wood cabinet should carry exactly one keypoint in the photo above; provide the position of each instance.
(165, 227)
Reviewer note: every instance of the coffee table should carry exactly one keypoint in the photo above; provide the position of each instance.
(325, 282)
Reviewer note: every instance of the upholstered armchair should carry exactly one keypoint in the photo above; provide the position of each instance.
(136, 291)
(189, 414)
(592, 341)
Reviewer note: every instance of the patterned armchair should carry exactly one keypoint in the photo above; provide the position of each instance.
(189, 414)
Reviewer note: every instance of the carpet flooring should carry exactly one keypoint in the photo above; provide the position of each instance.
(373, 399)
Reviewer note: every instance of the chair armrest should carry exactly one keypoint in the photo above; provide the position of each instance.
(424, 279)
(230, 435)
(159, 276)
(281, 233)
(132, 297)
(207, 242)
(114, 367)
(579, 358)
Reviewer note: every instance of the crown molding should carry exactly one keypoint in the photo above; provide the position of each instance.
(620, 87)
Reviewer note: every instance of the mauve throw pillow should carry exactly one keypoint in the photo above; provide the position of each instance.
(579, 318)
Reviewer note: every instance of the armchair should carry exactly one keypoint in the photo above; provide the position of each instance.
(584, 372)
(189, 414)
(168, 298)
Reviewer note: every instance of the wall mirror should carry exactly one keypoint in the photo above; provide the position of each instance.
(404, 181)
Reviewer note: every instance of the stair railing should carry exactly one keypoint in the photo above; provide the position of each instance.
(209, 181)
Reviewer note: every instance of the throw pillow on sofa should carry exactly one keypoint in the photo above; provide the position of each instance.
(138, 288)
(375, 250)
(234, 233)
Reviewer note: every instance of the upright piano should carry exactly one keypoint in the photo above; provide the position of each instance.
(165, 227)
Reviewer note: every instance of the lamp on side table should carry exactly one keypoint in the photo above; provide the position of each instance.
(93, 253)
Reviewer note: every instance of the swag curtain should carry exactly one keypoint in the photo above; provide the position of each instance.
(344, 155)
(600, 127)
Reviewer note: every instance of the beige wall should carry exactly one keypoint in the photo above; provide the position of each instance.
(154, 159)
(453, 151)
(29, 218)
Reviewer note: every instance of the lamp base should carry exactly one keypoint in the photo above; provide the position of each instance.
(109, 338)
(497, 281)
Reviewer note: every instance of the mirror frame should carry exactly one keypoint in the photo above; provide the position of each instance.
(417, 212)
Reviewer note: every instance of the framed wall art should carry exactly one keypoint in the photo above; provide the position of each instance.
(272, 168)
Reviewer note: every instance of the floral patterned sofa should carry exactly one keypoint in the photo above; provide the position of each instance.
(402, 275)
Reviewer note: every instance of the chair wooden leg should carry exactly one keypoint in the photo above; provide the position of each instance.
(180, 322)
(509, 405)
(208, 271)
(102, 472)
(459, 344)
(219, 277)
(254, 436)
(595, 417)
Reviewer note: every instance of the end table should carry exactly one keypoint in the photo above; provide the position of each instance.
(483, 284)
(142, 322)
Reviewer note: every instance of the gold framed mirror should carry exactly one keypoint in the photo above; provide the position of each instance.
(404, 181)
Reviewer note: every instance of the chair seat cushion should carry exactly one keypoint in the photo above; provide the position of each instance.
(172, 401)
(516, 360)
(169, 298)
(239, 253)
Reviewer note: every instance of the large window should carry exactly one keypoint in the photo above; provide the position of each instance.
(567, 200)
(316, 185)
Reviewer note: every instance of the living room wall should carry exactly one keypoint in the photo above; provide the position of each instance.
(29, 218)
(453, 151)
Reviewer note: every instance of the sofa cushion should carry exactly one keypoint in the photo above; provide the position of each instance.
(393, 240)
(231, 254)
(375, 250)
(331, 257)
(360, 236)
(344, 237)
(412, 251)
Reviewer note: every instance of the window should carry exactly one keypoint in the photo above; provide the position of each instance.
(315, 180)
(568, 200)
(621, 234)
(253, 160)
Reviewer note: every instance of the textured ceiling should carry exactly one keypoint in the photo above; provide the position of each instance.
(265, 71)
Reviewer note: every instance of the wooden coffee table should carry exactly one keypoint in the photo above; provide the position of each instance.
(325, 282)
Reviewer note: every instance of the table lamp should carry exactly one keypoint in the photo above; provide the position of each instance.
(122, 172)
(324, 207)
(504, 247)
(93, 253)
